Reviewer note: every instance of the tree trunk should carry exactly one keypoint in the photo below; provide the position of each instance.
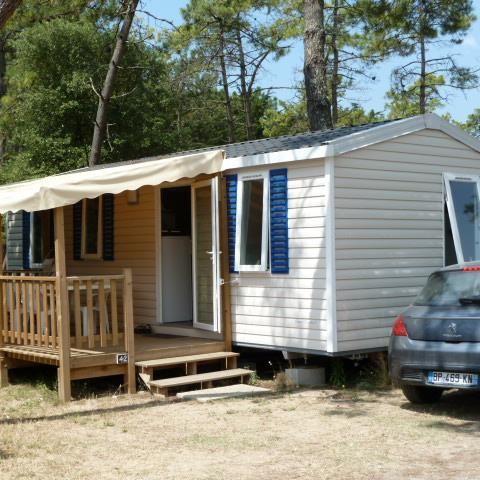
(3, 86)
(423, 60)
(7, 9)
(108, 85)
(335, 81)
(246, 95)
(315, 66)
(423, 76)
(228, 102)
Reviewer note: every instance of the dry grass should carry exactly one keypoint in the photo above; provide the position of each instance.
(318, 434)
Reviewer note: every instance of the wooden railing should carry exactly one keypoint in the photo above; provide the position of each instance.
(96, 305)
(29, 310)
(99, 307)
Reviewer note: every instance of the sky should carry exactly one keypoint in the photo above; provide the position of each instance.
(370, 94)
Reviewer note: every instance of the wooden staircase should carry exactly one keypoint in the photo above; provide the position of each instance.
(190, 363)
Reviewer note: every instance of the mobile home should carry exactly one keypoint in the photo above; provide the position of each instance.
(308, 243)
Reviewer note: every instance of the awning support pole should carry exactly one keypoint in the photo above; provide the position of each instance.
(64, 383)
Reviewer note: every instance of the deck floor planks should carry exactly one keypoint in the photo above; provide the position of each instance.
(147, 347)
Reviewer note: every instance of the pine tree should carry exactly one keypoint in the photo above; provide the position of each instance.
(409, 28)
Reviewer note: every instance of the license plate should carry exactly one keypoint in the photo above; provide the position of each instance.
(452, 379)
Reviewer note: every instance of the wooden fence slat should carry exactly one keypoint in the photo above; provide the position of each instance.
(45, 316)
(18, 320)
(24, 314)
(91, 323)
(53, 315)
(78, 314)
(38, 313)
(11, 313)
(3, 306)
(113, 311)
(102, 314)
(5, 312)
(31, 303)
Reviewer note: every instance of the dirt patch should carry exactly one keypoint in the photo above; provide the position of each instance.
(315, 434)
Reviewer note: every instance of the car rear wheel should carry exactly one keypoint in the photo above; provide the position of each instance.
(420, 394)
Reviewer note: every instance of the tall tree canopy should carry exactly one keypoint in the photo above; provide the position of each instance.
(409, 28)
(233, 39)
(197, 84)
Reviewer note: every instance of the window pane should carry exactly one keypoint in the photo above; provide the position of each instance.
(203, 267)
(91, 225)
(252, 221)
(465, 202)
(446, 288)
(37, 238)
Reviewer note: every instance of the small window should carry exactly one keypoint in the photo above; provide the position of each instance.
(92, 228)
(41, 238)
(176, 211)
(252, 223)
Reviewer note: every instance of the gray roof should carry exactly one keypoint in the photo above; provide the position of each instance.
(269, 145)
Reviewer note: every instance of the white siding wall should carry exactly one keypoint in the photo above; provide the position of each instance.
(389, 228)
(289, 310)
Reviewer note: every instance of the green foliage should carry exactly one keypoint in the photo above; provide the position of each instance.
(405, 103)
(407, 28)
(356, 115)
(397, 26)
(48, 110)
(338, 374)
(160, 105)
(233, 39)
(289, 118)
(285, 118)
(472, 124)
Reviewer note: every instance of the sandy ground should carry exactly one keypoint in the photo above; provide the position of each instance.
(316, 434)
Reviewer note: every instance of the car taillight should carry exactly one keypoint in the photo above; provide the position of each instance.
(471, 269)
(399, 327)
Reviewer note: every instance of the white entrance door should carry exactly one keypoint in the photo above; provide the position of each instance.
(206, 256)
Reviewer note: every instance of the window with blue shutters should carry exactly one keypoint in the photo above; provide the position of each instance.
(258, 221)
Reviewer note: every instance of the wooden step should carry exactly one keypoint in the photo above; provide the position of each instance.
(202, 378)
(148, 365)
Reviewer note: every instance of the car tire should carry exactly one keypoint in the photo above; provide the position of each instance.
(420, 394)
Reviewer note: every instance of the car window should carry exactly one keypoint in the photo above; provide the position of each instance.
(446, 288)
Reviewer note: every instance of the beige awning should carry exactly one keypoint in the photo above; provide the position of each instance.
(69, 188)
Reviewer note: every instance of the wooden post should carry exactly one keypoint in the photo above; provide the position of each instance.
(3, 358)
(129, 331)
(225, 268)
(64, 384)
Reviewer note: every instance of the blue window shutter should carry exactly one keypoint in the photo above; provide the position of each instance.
(26, 240)
(279, 220)
(77, 230)
(108, 203)
(232, 182)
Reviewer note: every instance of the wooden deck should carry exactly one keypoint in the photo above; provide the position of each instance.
(88, 363)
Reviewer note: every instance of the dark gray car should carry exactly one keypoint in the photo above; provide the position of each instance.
(435, 343)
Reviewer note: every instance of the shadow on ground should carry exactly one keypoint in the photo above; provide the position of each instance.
(85, 413)
(454, 405)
